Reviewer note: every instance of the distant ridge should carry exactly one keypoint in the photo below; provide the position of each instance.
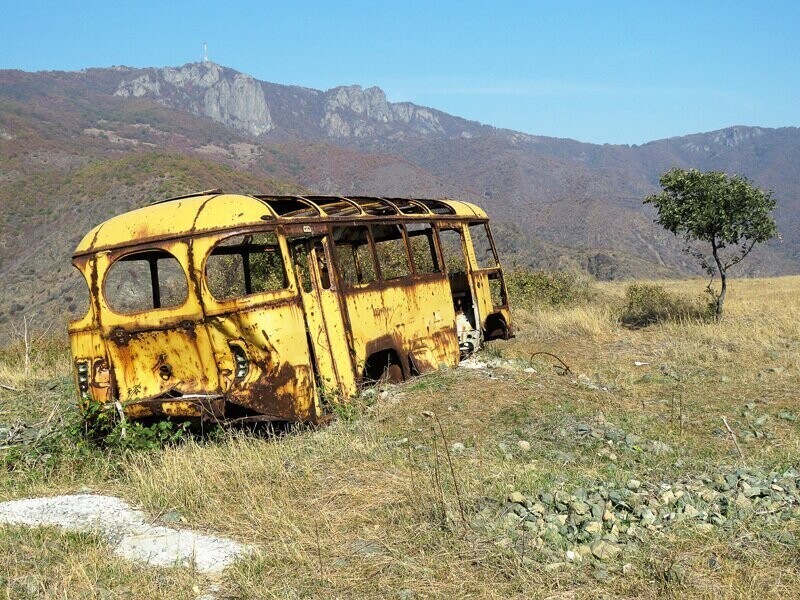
(76, 147)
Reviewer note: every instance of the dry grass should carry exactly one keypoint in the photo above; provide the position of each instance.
(369, 508)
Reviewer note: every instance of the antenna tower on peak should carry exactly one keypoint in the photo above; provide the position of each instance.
(205, 52)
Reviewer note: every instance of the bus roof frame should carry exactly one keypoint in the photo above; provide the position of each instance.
(213, 211)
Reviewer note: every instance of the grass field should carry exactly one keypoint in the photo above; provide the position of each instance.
(389, 501)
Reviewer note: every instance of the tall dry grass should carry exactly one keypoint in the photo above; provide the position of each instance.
(369, 508)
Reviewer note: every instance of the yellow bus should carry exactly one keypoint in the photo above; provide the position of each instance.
(259, 308)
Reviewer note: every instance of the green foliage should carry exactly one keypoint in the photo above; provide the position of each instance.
(647, 303)
(548, 288)
(98, 431)
(352, 409)
(103, 426)
(717, 209)
(714, 207)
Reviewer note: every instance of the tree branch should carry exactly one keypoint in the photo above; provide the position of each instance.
(744, 252)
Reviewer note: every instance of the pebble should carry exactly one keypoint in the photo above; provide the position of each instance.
(603, 550)
(517, 497)
(690, 512)
(593, 527)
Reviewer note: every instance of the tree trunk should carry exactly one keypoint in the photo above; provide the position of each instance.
(723, 277)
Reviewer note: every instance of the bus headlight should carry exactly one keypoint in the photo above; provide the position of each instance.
(240, 358)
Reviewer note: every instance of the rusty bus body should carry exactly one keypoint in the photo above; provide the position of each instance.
(224, 306)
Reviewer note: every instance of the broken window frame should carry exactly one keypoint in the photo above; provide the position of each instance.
(484, 228)
(88, 315)
(154, 280)
(289, 284)
(357, 262)
(403, 239)
(433, 241)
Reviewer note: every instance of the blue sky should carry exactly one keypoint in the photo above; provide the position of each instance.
(616, 72)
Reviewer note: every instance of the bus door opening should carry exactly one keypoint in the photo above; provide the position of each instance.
(467, 318)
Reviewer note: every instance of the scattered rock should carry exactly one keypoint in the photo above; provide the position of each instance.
(524, 445)
(458, 447)
(517, 497)
(366, 548)
(172, 516)
(634, 484)
(625, 515)
(690, 512)
(593, 527)
(604, 550)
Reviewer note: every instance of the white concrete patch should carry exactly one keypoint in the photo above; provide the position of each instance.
(126, 529)
(472, 363)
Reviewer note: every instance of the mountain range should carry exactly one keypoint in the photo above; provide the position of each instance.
(79, 147)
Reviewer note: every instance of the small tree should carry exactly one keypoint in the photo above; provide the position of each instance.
(724, 211)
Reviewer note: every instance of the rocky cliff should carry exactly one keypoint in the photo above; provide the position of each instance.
(233, 99)
(346, 113)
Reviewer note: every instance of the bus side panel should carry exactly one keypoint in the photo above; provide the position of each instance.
(88, 347)
(484, 295)
(342, 376)
(279, 382)
(413, 319)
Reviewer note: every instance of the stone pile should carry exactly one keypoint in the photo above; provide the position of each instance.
(606, 519)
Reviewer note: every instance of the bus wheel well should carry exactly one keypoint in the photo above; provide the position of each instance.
(384, 365)
(495, 328)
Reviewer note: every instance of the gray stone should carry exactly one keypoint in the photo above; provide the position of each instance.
(516, 497)
(579, 508)
(593, 527)
(647, 517)
(660, 447)
(634, 484)
(171, 516)
(752, 492)
(690, 512)
(604, 550)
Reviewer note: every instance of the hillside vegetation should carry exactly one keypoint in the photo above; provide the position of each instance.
(472, 482)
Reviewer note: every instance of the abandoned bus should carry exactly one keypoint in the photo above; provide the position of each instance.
(225, 306)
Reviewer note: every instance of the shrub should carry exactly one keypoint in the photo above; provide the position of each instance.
(649, 303)
(548, 288)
